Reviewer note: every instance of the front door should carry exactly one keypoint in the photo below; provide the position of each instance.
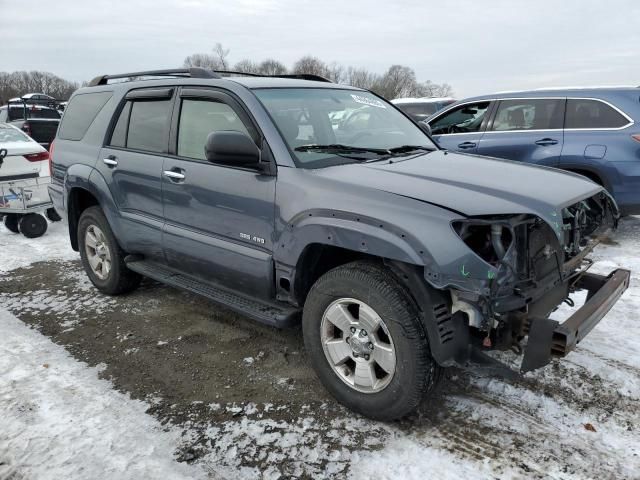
(461, 128)
(131, 164)
(526, 130)
(219, 219)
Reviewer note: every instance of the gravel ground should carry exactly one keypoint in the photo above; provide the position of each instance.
(246, 403)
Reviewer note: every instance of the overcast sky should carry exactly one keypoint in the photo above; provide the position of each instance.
(476, 46)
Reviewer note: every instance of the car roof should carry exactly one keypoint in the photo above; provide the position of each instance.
(399, 101)
(586, 91)
(277, 82)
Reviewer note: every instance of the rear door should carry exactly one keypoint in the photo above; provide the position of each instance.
(131, 164)
(527, 130)
(461, 128)
(219, 219)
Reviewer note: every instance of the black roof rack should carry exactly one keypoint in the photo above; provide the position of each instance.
(41, 102)
(299, 76)
(193, 72)
(197, 72)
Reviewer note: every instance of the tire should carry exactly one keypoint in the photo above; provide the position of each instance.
(32, 225)
(111, 276)
(52, 215)
(376, 290)
(11, 222)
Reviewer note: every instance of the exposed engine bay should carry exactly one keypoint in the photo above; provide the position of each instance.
(537, 266)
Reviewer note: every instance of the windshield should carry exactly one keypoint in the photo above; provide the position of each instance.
(319, 124)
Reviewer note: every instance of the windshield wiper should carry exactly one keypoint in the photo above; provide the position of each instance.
(339, 148)
(410, 148)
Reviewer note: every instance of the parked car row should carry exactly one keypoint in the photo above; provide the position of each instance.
(590, 131)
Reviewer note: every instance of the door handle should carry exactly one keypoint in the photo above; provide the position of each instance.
(174, 175)
(110, 161)
(546, 142)
(465, 145)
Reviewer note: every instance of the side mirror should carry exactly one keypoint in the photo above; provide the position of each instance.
(229, 147)
(426, 128)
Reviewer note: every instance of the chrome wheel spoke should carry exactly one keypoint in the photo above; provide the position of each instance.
(90, 239)
(338, 350)
(340, 316)
(94, 261)
(385, 357)
(365, 375)
(106, 266)
(369, 319)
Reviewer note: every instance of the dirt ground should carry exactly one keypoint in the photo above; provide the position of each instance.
(247, 400)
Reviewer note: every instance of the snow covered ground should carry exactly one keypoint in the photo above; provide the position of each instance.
(578, 418)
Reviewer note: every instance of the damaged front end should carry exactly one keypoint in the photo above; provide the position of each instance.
(532, 266)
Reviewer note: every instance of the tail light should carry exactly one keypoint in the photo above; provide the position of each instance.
(26, 128)
(636, 137)
(37, 157)
(51, 159)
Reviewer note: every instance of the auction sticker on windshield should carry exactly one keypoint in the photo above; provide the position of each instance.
(372, 102)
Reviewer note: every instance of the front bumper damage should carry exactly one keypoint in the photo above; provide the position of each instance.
(549, 338)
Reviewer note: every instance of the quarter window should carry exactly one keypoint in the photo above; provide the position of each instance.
(198, 118)
(79, 114)
(532, 114)
(148, 125)
(593, 114)
(463, 119)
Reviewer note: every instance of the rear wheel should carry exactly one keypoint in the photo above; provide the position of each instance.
(101, 256)
(366, 342)
(32, 225)
(11, 222)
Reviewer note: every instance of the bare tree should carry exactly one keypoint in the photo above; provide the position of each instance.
(312, 66)
(16, 84)
(247, 66)
(360, 77)
(203, 60)
(272, 67)
(221, 53)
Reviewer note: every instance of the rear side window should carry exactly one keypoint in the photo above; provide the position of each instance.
(531, 114)
(80, 114)
(593, 114)
(119, 135)
(43, 113)
(198, 118)
(148, 121)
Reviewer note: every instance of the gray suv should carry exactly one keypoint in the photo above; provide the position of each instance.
(295, 198)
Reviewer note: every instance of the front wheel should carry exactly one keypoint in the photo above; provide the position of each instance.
(11, 222)
(102, 257)
(366, 342)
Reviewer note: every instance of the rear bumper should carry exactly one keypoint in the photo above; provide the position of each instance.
(549, 338)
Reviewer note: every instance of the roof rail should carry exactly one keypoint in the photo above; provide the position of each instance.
(193, 72)
(300, 76)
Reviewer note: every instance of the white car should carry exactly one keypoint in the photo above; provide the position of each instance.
(24, 157)
(24, 177)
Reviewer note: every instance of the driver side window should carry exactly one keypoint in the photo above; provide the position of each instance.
(463, 119)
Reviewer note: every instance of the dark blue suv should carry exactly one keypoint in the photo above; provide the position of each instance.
(591, 131)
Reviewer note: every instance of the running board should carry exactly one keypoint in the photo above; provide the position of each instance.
(277, 315)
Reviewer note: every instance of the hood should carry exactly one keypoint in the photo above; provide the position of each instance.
(472, 185)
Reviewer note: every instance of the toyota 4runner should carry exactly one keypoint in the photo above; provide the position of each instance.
(288, 198)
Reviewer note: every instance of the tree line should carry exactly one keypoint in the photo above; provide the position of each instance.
(16, 84)
(397, 82)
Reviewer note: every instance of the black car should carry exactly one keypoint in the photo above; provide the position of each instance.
(36, 116)
(398, 257)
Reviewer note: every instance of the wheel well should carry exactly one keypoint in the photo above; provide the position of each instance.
(589, 174)
(79, 200)
(316, 260)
